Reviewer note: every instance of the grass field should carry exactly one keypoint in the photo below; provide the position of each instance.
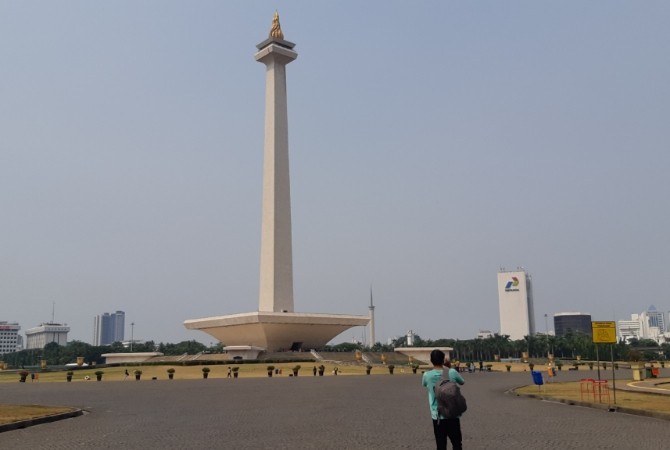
(193, 372)
(245, 370)
(16, 413)
(571, 392)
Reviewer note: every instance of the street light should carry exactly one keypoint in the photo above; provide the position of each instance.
(132, 335)
(546, 333)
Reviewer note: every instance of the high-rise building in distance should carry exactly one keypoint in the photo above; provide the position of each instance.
(109, 328)
(46, 333)
(515, 300)
(656, 319)
(572, 322)
(10, 341)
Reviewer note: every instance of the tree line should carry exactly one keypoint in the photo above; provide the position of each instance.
(58, 355)
(569, 346)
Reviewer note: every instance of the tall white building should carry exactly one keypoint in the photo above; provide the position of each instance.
(10, 341)
(629, 329)
(46, 333)
(646, 325)
(515, 301)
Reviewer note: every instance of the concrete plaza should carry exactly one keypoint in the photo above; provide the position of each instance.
(343, 412)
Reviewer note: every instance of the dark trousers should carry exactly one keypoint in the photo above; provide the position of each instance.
(448, 428)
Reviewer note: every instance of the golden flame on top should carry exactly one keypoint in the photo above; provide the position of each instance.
(275, 31)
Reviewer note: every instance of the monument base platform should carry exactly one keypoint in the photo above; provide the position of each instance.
(243, 351)
(137, 357)
(277, 331)
(422, 354)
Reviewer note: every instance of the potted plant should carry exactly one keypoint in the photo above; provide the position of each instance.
(391, 367)
(295, 370)
(414, 367)
(270, 370)
(68, 375)
(489, 367)
(170, 372)
(205, 372)
(590, 366)
(138, 374)
(559, 365)
(508, 367)
(235, 371)
(23, 374)
(616, 366)
(322, 369)
(98, 374)
(368, 369)
(531, 366)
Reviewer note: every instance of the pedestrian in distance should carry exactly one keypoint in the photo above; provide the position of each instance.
(125, 375)
(443, 427)
(230, 372)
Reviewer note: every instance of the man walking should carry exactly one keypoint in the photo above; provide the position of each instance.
(442, 426)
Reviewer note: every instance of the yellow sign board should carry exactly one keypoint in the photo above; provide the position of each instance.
(604, 332)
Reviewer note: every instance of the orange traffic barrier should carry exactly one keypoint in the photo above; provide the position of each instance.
(586, 387)
(601, 389)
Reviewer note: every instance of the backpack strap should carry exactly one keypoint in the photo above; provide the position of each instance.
(445, 374)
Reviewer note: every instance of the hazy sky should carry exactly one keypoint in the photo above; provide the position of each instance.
(431, 143)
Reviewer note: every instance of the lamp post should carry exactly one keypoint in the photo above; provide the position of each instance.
(132, 335)
(546, 333)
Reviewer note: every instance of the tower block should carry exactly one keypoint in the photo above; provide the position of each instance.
(276, 274)
(275, 326)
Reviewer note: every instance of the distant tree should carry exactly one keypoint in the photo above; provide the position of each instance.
(117, 347)
(379, 347)
(148, 346)
(217, 348)
(346, 347)
(72, 350)
(646, 343)
(52, 353)
(442, 343)
(189, 347)
(399, 342)
(634, 355)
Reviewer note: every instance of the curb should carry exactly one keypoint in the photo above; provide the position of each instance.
(600, 406)
(40, 420)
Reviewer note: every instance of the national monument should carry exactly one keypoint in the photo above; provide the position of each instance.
(275, 326)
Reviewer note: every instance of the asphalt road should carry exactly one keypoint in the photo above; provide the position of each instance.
(343, 412)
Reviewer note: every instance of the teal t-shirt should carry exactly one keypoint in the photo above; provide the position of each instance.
(430, 379)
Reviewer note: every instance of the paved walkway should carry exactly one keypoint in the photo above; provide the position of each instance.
(344, 412)
(653, 386)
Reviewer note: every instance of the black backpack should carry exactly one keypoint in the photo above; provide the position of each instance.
(450, 401)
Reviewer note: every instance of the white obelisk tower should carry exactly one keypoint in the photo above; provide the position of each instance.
(276, 273)
(275, 326)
